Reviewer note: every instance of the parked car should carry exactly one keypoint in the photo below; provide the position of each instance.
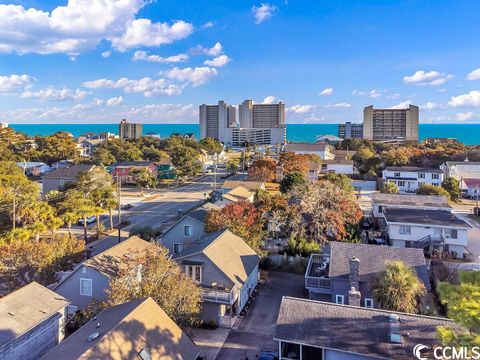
(267, 355)
(90, 220)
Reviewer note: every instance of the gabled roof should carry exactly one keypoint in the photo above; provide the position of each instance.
(472, 183)
(124, 331)
(71, 173)
(30, 164)
(250, 185)
(238, 194)
(93, 142)
(338, 162)
(355, 329)
(411, 200)
(465, 163)
(372, 260)
(164, 161)
(413, 169)
(132, 163)
(307, 147)
(424, 217)
(229, 252)
(114, 259)
(25, 308)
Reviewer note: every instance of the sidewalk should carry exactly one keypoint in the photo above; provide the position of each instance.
(210, 342)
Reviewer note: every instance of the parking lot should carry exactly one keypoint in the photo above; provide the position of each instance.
(255, 332)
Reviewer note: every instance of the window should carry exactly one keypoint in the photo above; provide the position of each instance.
(177, 248)
(340, 299)
(369, 303)
(435, 184)
(451, 233)
(195, 272)
(86, 287)
(188, 230)
(401, 183)
(397, 174)
(421, 175)
(380, 208)
(436, 176)
(405, 230)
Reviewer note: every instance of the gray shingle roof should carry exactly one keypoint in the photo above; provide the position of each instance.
(424, 217)
(354, 329)
(410, 200)
(70, 173)
(200, 213)
(413, 169)
(372, 260)
(306, 147)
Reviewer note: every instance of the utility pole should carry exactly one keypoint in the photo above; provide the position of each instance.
(119, 191)
(14, 219)
(214, 172)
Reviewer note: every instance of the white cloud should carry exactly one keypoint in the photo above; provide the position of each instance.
(114, 101)
(52, 94)
(142, 32)
(218, 61)
(326, 92)
(215, 50)
(208, 24)
(148, 86)
(143, 55)
(474, 75)
(263, 12)
(432, 106)
(372, 94)
(342, 105)
(472, 99)
(427, 78)
(15, 83)
(300, 109)
(466, 116)
(196, 76)
(81, 25)
(269, 100)
(403, 105)
(106, 54)
(393, 96)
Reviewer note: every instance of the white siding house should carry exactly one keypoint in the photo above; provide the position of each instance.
(409, 178)
(337, 166)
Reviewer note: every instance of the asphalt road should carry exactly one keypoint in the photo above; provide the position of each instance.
(256, 331)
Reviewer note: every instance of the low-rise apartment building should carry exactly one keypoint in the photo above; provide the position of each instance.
(410, 178)
(324, 150)
(60, 178)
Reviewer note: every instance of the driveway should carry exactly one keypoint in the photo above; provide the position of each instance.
(256, 330)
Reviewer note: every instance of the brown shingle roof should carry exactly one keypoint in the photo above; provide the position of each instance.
(25, 308)
(304, 147)
(71, 173)
(354, 329)
(124, 331)
(250, 185)
(238, 194)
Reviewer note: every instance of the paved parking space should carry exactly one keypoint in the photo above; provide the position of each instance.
(256, 330)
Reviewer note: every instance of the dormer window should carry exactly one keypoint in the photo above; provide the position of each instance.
(195, 273)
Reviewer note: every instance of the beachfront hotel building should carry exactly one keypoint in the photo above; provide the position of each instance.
(390, 125)
(350, 131)
(128, 130)
(258, 124)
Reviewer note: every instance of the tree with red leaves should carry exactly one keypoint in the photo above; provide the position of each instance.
(262, 170)
(242, 219)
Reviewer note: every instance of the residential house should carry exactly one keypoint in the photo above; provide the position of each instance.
(32, 321)
(208, 159)
(60, 178)
(250, 185)
(62, 164)
(34, 168)
(226, 269)
(187, 230)
(123, 169)
(337, 167)
(471, 187)
(88, 146)
(398, 201)
(410, 178)
(91, 279)
(165, 169)
(138, 329)
(312, 330)
(432, 230)
(235, 195)
(344, 154)
(461, 169)
(332, 275)
(324, 150)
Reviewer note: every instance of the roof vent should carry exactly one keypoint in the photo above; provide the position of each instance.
(93, 336)
(394, 322)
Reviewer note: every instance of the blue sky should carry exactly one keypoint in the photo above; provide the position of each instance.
(156, 61)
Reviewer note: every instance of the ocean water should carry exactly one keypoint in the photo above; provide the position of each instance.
(469, 134)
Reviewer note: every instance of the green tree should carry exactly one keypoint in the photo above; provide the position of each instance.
(389, 187)
(291, 180)
(341, 180)
(155, 274)
(59, 146)
(144, 178)
(427, 189)
(233, 164)
(212, 146)
(463, 306)
(185, 160)
(398, 288)
(38, 217)
(452, 186)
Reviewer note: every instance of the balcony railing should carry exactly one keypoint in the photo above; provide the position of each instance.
(219, 295)
(317, 271)
(316, 282)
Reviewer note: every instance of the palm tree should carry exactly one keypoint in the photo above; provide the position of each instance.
(398, 288)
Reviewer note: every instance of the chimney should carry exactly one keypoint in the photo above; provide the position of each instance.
(354, 275)
(354, 297)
